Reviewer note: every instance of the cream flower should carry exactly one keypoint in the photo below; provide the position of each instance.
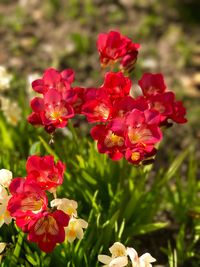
(5, 79)
(66, 205)
(118, 250)
(143, 261)
(75, 229)
(4, 213)
(5, 177)
(113, 262)
(118, 256)
(122, 256)
(12, 113)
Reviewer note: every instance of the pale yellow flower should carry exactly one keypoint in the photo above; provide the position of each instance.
(4, 213)
(113, 262)
(118, 256)
(118, 250)
(122, 256)
(66, 205)
(5, 79)
(75, 229)
(12, 113)
(5, 177)
(143, 261)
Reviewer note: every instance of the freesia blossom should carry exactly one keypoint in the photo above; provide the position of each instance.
(152, 83)
(12, 112)
(159, 98)
(67, 205)
(4, 213)
(122, 256)
(45, 172)
(47, 229)
(53, 79)
(143, 261)
(110, 139)
(5, 79)
(113, 262)
(27, 200)
(75, 229)
(5, 177)
(118, 256)
(113, 46)
(52, 111)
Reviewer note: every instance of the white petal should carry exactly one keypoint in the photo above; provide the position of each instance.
(147, 258)
(104, 259)
(82, 223)
(5, 177)
(119, 262)
(132, 253)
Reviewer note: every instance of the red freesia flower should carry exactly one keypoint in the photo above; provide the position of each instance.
(53, 79)
(47, 229)
(110, 138)
(116, 85)
(52, 111)
(152, 83)
(44, 172)
(27, 200)
(112, 46)
(97, 106)
(142, 128)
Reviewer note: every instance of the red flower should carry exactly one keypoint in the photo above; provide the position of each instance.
(52, 111)
(152, 84)
(27, 200)
(116, 85)
(45, 172)
(179, 112)
(111, 138)
(97, 106)
(52, 79)
(48, 229)
(142, 128)
(127, 104)
(112, 46)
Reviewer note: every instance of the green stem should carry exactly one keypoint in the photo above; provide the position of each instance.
(16, 253)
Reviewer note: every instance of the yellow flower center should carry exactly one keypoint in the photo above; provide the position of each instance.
(135, 156)
(112, 140)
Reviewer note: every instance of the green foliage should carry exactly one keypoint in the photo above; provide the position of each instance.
(120, 202)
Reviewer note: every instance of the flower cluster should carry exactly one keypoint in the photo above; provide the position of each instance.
(126, 126)
(28, 203)
(122, 256)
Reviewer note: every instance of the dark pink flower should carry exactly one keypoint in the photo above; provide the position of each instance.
(51, 111)
(53, 79)
(152, 84)
(27, 200)
(112, 46)
(110, 138)
(47, 229)
(45, 172)
(116, 85)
